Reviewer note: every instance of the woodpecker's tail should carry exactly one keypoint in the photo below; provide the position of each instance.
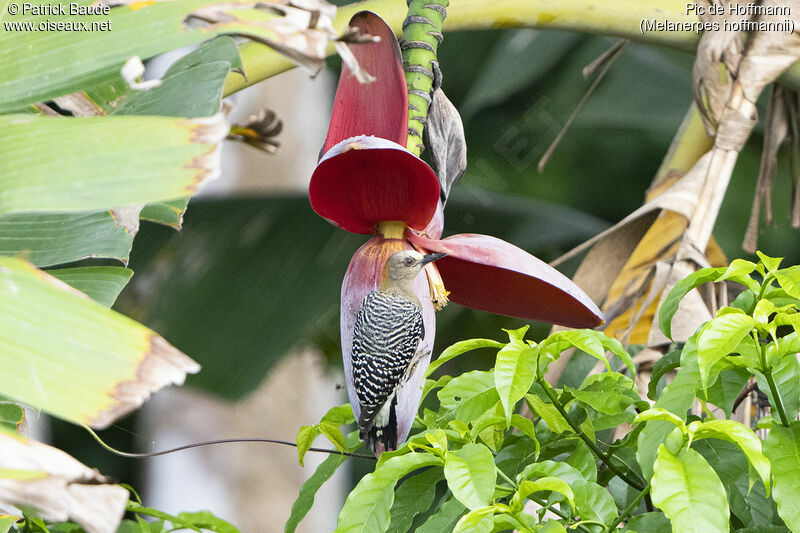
(373, 430)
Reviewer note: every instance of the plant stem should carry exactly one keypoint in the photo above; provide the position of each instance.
(589, 442)
(630, 508)
(776, 397)
(764, 286)
(504, 476)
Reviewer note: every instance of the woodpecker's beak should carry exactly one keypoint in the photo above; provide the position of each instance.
(430, 258)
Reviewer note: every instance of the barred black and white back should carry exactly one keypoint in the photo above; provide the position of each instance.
(387, 334)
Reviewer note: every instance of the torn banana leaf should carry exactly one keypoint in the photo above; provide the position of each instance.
(71, 357)
(101, 283)
(56, 486)
(47, 239)
(40, 65)
(75, 164)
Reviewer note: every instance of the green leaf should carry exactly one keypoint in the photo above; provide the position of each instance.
(367, 508)
(786, 374)
(169, 213)
(656, 413)
(11, 416)
(527, 427)
(414, 496)
(681, 289)
(47, 239)
(739, 271)
(104, 162)
(135, 507)
(476, 521)
(667, 363)
(771, 263)
(206, 520)
(57, 63)
(563, 471)
(66, 354)
(583, 460)
(548, 412)
(789, 280)
(445, 519)
(689, 492)
(593, 502)
(677, 397)
(305, 438)
(615, 346)
(204, 70)
(469, 395)
(584, 339)
(528, 487)
(459, 348)
(743, 437)
(726, 388)
(309, 489)
(648, 523)
(609, 393)
(471, 475)
(102, 284)
(333, 434)
(782, 448)
(718, 338)
(513, 374)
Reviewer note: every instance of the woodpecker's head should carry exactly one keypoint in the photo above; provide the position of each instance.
(406, 264)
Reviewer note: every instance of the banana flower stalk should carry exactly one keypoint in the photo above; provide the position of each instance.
(367, 182)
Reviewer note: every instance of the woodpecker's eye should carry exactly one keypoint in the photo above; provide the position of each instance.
(408, 261)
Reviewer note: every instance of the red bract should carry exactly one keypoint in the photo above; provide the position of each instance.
(366, 182)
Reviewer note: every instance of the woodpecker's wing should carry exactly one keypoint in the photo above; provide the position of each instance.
(387, 332)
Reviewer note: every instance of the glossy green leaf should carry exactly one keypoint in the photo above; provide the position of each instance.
(135, 507)
(743, 437)
(72, 357)
(104, 162)
(584, 339)
(548, 412)
(593, 502)
(47, 239)
(670, 361)
(207, 521)
(38, 66)
(771, 263)
(739, 271)
(677, 398)
(513, 374)
(654, 522)
(563, 471)
(656, 413)
(583, 460)
(309, 489)
(102, 284)
(367, 508)
(789, 280)
(528, 487)
(471, 475)
(609, 393)
(782, 447)
(445, 518)
(527, 427)
(689, 492)
(615, 346)
(718, 338)
(476, 521)
(414, 496)
(459, 348)
(681, 289)
(786, 374)
(469, 395)
(305, 438)
(726, 388)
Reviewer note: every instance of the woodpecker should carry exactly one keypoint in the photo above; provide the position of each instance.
(386, 345)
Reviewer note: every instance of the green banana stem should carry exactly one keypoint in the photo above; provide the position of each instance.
(422, 34)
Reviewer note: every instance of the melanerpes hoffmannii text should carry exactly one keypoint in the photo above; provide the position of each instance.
(386, 346)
